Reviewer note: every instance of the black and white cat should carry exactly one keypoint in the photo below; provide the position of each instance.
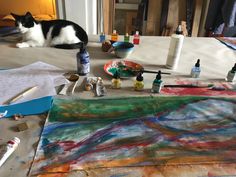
(53, 33)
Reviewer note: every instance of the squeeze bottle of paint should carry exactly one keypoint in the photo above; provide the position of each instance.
(126, 37)
(195, 72)
(102, 37)
(175, 48)
(231, 76)
(10, 148)
(83, 65)
(157, 83)
(116, 82)
(136, 38)
(139, 84)
(114, 36)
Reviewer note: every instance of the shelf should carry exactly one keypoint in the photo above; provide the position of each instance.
(126, 6)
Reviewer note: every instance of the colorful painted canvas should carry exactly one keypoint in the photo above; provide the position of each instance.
(209, 88)
(139, 136)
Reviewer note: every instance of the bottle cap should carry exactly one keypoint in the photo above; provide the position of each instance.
(114, 31)
(137, 32)
(198, 63)
(139, 77)
(234, 68)
(158, 76)
(116, 75)
(82, 48)
(127, 34)
(179, 30)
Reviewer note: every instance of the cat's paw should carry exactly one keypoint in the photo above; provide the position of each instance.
(22, 45)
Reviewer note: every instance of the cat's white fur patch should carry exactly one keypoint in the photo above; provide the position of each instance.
(33, 37)
(66, 36)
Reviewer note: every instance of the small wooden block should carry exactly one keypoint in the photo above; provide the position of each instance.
(22, 127)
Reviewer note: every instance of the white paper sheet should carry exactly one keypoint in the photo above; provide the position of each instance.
(42, 75)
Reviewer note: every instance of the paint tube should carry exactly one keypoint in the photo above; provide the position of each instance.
(9, 149)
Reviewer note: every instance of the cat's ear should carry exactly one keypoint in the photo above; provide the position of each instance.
(28, 14)
(16, 17)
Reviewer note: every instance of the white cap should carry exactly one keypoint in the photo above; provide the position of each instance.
(114, 31)
(137, 32)
(16, 140)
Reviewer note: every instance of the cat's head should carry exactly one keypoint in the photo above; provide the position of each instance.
(24, 22)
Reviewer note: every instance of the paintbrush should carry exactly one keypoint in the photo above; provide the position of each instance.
(189, 86)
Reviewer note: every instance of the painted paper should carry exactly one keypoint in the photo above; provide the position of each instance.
(138, 136)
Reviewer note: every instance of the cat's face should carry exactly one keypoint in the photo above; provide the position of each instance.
(24, 22)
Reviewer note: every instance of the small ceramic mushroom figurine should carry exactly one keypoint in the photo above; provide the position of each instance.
(100, 88)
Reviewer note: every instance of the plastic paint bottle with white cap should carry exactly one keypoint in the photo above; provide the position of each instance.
(10, 148)
(175, 48)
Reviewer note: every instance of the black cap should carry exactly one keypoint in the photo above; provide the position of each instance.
(179, 30)
(198, 63)
(234, 68)
(116, 75)
(158, 76)
(82, 47)
(139, 77)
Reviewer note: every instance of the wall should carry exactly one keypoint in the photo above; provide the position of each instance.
(36, 7)
(82, 12)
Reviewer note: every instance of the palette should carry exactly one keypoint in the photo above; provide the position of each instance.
(126, 68)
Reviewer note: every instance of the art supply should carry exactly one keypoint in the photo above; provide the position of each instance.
(10, 148)
(83, 64)
(157, 83)
(190, 86)
(126, 37)
(231, 76)
(90, 83)
(100, 88)
(195, 72)
(175, 48)
(102, 37)
(22, 94)
(106, 45)
(114, 36)
(139, 84)
(73, 81)
(136, 39)
(116, 82)
(74, 78)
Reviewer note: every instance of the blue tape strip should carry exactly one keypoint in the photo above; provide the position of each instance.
(32, 107)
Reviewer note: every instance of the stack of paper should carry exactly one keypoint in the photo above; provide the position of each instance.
(46, 77)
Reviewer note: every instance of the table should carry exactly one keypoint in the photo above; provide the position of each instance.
(216, 61)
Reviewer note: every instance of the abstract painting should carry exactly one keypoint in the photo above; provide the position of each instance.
(138, 136)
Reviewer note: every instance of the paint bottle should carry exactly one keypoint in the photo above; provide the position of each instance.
(139, 84)
(126, 37)
(136, 38)
(102, 37)
(114, 36)
(195, 72)
(157, 83)
(10, 148)
(176, 44)
(116, 82)
(231, 76)
(83, 65)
